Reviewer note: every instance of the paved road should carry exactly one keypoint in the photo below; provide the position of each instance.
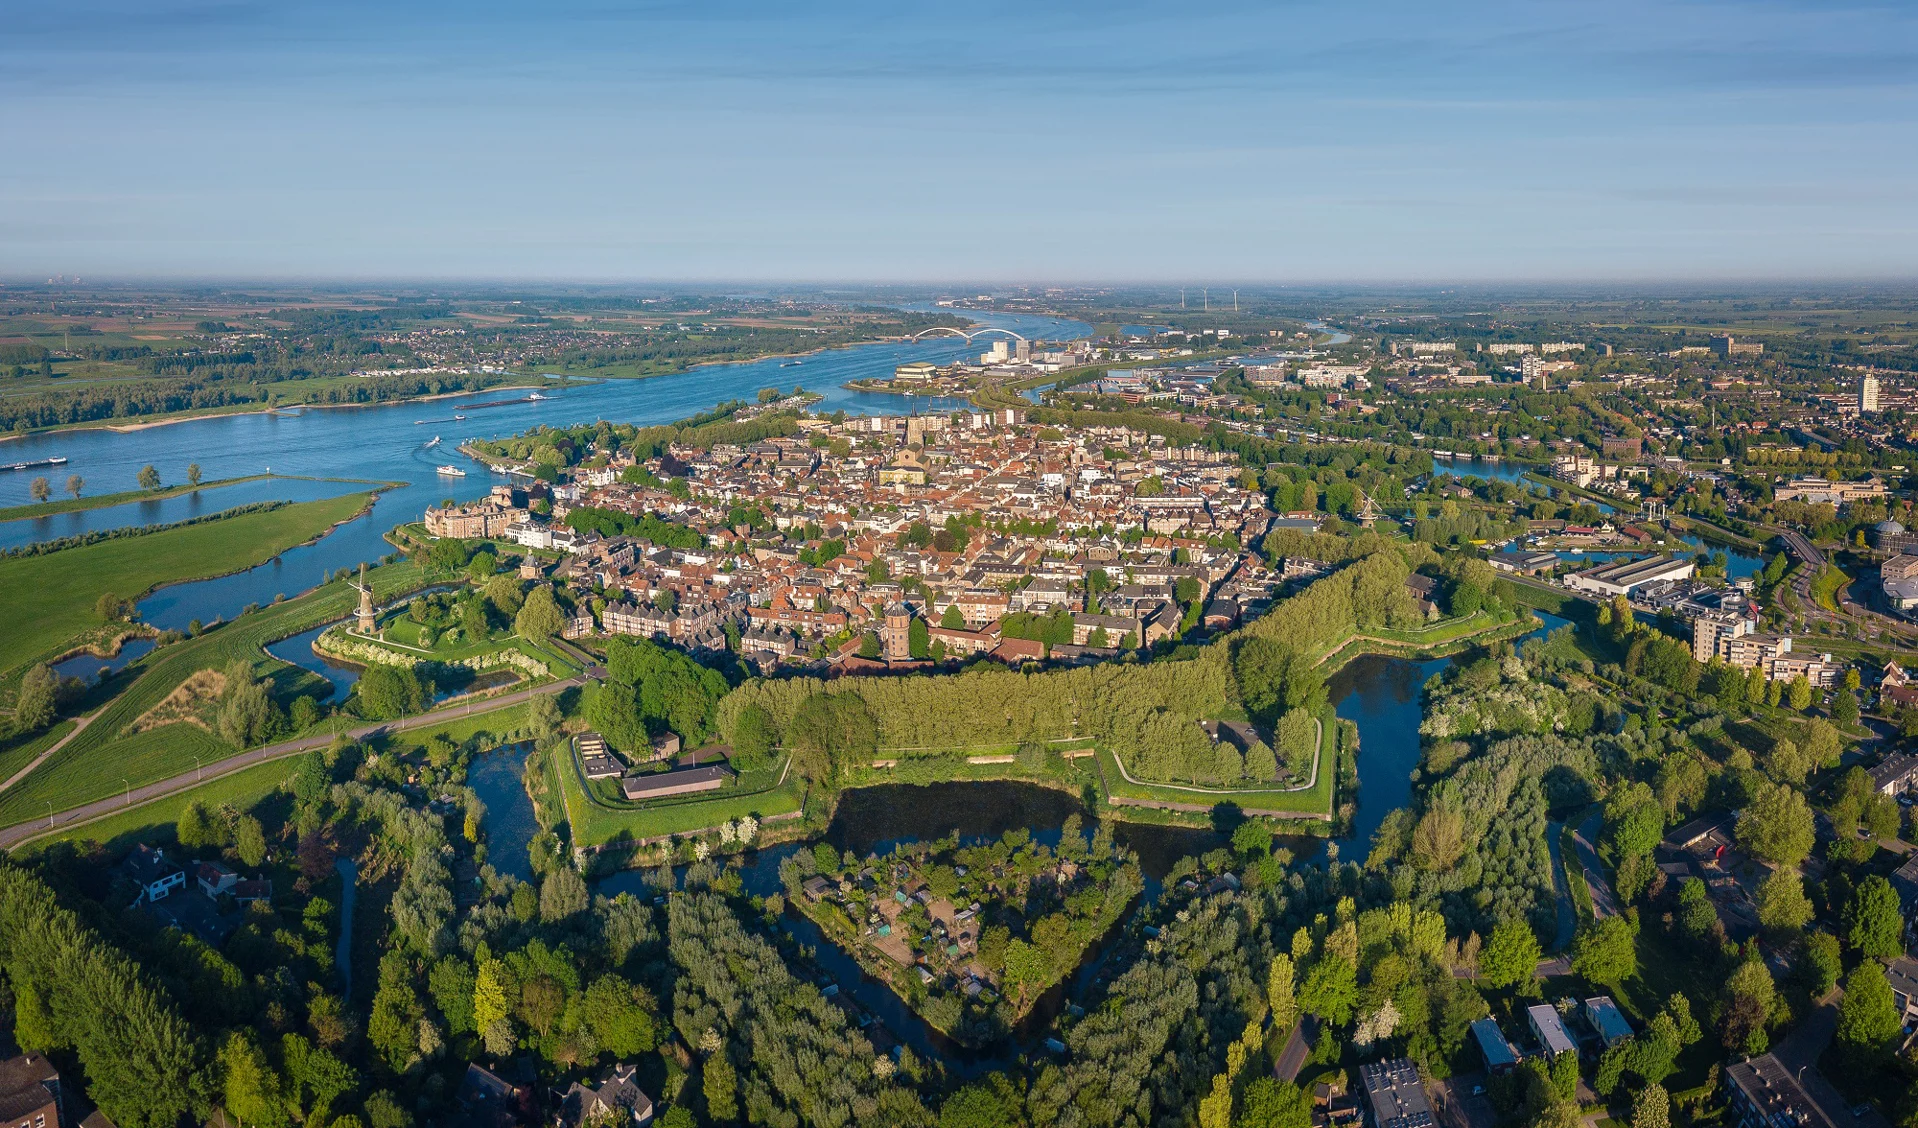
(1567, 915)
(14, 835)
(1298, 1044)
(1584, 837)
(343, 952)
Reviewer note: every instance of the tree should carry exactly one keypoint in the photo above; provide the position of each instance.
(982, 1104)
(1606, 951)
(249, 840)
(1331, 989)
(193, 474)
(75, 483)
(1260, 763)
(1874, 922)
(828, 729)
(1279, 987)
(614, 714)
(1800, 693)
(39, 490)
(1510, 956)
(1777, 825)
(489, 994)
(1868, 1018)
(1751, 997)
(562, 895)
(1652, 1108)
(620, 1016)
(251, 1091)
(1820, 962)
(149, 478)
(918, 639)
(1438, 841)
(951, 619)
(1782, 904)
(1271, 1103)
(542, 716)
(753, 737)
(386, 692)
(1844, 708)
(539, 618)
(38, 701)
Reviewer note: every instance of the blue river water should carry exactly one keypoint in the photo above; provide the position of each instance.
(388, 443)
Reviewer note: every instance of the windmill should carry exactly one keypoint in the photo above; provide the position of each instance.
(1368, 509)
(367, 623)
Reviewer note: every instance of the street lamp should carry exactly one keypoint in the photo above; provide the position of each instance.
(196, 769)
(49, 814)
(129, 786)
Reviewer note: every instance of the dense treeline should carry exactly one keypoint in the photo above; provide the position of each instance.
(146, 1066)
(1134, 708)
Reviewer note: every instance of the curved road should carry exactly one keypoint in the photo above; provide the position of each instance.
(100, 808)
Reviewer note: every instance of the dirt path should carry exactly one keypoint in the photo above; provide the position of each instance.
(78, 726)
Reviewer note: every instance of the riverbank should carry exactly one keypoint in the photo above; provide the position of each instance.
(49, 598)
(101, 501)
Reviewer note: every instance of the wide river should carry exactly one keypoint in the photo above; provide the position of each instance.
(388, 443)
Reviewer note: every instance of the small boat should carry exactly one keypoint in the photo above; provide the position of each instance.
(434, 441)
(419, 422)
(451, 471)
(459, 416)
(535, 397)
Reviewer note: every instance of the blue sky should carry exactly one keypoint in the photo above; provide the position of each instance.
(734, 140)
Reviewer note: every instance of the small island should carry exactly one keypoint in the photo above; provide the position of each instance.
(969, 936)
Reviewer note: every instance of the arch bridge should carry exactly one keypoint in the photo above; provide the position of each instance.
(969, 337)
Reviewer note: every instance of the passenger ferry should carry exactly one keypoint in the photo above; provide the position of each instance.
(451, 471)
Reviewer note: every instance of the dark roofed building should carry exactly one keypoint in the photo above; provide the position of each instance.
(686, 781)
(30, 1094)
(1497, 1050)
(617, 1098)
(1395, 1095)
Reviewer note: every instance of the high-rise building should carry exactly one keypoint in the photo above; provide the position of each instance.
(1868, 394)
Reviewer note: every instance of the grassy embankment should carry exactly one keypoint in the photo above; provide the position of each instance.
(101, 501)
(76, 776)
(48, 600)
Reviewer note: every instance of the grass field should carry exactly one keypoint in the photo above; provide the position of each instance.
(93, 765)
(153, 822)
(19, 751)
(46, 600)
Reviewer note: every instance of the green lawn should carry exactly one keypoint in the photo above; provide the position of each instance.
(92, 766)
(154, 821)
(47, 600)
(18, 751)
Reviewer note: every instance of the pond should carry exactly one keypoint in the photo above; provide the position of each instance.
(90, 668)
(1382, 696)
(510, 824)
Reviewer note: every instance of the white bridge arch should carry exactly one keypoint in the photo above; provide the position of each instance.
(937, 329)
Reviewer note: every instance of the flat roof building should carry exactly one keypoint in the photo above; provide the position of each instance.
(1395, 1095)
(1498, 1052)
(1624, 577)
(687, 781)
(1607, 1020)
(1549, 1031)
